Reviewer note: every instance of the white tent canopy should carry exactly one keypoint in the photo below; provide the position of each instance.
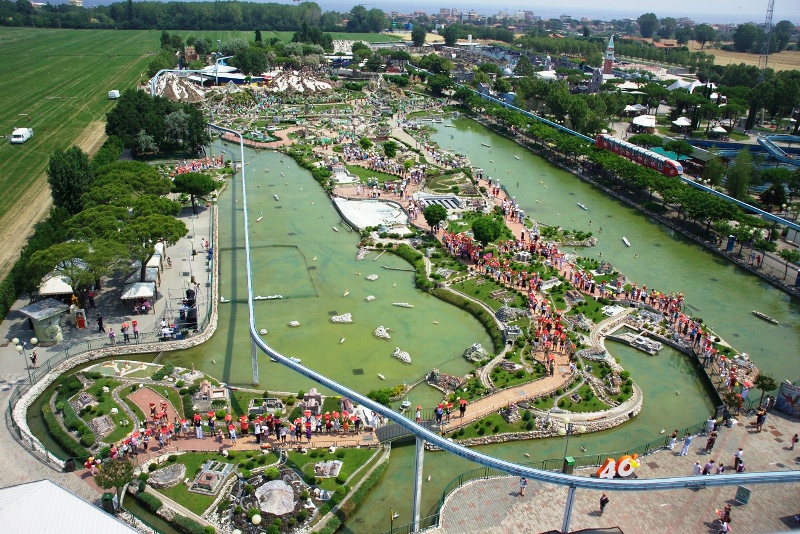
(645, 121)
(635, 107)
(139, 290)
(682, 121)
(56, 285)
(719, 129)
(689, 85)
(150, 275)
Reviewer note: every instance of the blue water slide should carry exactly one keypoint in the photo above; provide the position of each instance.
(768, 142)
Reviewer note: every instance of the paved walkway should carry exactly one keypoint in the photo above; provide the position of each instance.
(493, 506)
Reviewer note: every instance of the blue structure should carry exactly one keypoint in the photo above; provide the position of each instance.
(768, 142)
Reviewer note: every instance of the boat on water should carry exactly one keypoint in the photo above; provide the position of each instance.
(381, 376)
(259, 219)
(582, 206)
(516, 157)
(765, 317)
(276, 197)
(405, 405)
(295, 360)
(625, 240)
(335, 229)
(646, 345)
(438, 120)
(486, 145)
(449, 126)
(402, 304)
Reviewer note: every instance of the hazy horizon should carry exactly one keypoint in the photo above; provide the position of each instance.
(712, 11)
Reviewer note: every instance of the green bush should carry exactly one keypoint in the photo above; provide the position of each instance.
(88, 439)
(70, 446)
(250, 465)
(220, 414)
(208, 530)
(152, 467)
(164, 372)
(341, 478)
(246, 473)
(150, 501)
(144, 476)
(249, 489)
(271, 473)
(302, 515)
(187, 525)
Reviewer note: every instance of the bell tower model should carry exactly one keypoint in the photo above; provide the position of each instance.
(608, 62)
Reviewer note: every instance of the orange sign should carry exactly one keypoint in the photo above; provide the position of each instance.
(623, 467)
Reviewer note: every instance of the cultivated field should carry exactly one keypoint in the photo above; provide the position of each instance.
(59, 79)
(786, 60)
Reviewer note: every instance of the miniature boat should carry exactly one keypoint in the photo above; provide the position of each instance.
(516, 157)
(346, 292)
(402, 304)
(335, 229)
(625, 240)
(295, 360)
(406, 404)
(294, 324)
(341, 341)
(381, 376)
(259, 219)
(276, 197)
(223, 299)
(486, 145)
(582, 206)
(765, 317)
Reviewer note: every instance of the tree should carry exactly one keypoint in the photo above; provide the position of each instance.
(789, 255)
(390, 149)
(69, 175)
(486, 229)
(646, 140)
(524, 67)
(745, 37)
(450, 34)
(364, 143)
(739, 175)
(783, 34)
(668, 25)
(250, 60)
(774, 195)
(680, 147)
(194, 184)
(714, 170)
(145, 143)
(418, 34)
(764, 383)
(648, 23)
(704, 33)
(258, 36)
(114, 474)
(434, 214)
(438, 83)
(683, 35)
(141, 235)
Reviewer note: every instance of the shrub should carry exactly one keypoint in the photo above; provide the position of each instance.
(72, 447)
(341, 478)
(60, 406)
(172, 458)
(162, 373)
(190, 526)
(304, 494)
(144, 476)
(150, 501)
(271, 473)
(340, 454)
(250, 465)
(249, 489)
(152, 467)
(88, 439)
(246, 473)
(208, 530)
(302, 515)
(220, 414)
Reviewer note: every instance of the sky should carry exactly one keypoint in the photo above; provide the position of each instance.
(722, 11)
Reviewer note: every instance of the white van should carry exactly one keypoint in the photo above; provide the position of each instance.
(20, 135)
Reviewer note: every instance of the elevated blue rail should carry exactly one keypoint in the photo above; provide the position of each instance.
(561, 479)
(768, 142)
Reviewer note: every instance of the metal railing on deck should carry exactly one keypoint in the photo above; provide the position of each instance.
(552, 464)
(30, 442)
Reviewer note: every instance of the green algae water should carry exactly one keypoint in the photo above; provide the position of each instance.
(294, 231)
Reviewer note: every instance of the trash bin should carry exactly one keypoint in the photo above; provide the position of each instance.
(69, 465)
(569, 465)
(107, 501)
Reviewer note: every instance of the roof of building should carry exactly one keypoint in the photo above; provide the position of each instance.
(44, 506)
(668, 154)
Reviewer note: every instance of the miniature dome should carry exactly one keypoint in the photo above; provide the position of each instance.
(508, 72)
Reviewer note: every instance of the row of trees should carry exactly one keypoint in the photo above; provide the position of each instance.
(149, 125)
(109, 214)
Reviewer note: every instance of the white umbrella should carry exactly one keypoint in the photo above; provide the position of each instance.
(56, 285)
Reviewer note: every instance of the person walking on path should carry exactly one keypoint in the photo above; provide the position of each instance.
(35, 363)
(523, 483)
(135, 325)
(712, 439)
(111, 336)
(91, 299)
(696, 469)
(603, 503)
(686, 442)
(794, 441)
(124, 329)
(708, 467)
(737, 457)
(100, 329)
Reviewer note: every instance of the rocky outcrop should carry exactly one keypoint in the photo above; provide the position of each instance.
(382, 333)
(344, 318)
(475, 353)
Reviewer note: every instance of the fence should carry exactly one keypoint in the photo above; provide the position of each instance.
(147, 339)
(552, 464)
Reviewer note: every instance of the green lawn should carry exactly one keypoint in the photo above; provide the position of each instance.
(490, 425)
(195, 502)
(363, 173)
(352, 459)
(60, 81)
(481, 292)
(589, 401)
(105, 407)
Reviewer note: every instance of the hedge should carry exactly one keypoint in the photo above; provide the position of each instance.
(477, 311)
(190, 526)
(150, 501)
(349, 508)
(66, 441)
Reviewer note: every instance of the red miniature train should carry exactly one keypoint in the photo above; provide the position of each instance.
(642, 156)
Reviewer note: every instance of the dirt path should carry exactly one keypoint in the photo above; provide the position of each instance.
(17, 225)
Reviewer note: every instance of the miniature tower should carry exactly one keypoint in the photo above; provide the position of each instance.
(608, 62)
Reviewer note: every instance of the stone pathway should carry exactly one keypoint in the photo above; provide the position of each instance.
(493, 506)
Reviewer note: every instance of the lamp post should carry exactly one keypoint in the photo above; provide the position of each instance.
(567, 430)
(22, 348)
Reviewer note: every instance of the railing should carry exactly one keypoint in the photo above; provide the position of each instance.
(30, 442)
(552, 464)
